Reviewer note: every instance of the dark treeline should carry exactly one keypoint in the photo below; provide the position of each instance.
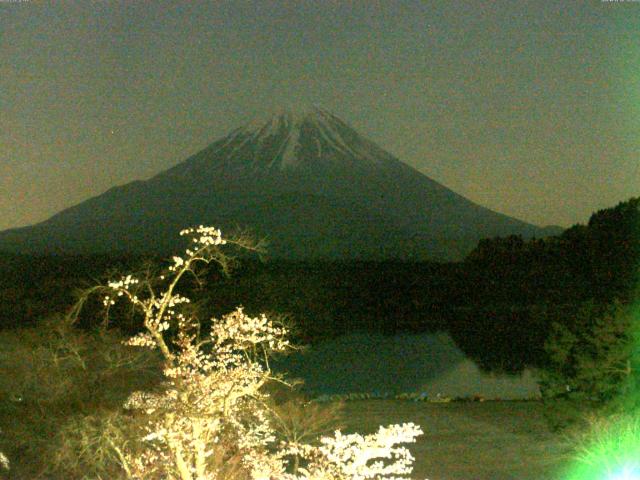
(595, 261)
(518, 289)
(498, 304)
(34, 287)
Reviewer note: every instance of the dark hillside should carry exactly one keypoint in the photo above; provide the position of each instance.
(498, 304)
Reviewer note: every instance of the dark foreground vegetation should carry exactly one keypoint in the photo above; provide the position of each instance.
(563, 304)
(499, 304)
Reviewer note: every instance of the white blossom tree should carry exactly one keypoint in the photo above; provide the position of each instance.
(210, 419)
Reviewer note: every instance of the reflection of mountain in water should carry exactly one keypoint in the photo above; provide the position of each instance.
(430, 363)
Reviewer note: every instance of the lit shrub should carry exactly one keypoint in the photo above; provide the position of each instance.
(59, 387)
(590, 365)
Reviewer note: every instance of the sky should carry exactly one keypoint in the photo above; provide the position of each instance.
(530, 108)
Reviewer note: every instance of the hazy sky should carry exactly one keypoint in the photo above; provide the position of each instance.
(531, 108)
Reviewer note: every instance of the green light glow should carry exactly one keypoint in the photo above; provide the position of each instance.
(627, 473)
(613, 449)
(612, 455)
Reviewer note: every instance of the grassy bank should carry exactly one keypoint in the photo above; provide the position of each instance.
(470, 440)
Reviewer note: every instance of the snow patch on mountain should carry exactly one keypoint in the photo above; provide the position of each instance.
(289, 156)
(288, 129)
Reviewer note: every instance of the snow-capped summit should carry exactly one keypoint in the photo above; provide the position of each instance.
(303, 178)
(295, 135)
(291, 115)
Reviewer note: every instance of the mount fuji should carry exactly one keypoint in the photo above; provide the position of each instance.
(306, 180)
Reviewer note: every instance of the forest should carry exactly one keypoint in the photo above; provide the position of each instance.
(498, 304)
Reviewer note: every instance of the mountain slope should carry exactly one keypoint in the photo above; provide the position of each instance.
(308, 181)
